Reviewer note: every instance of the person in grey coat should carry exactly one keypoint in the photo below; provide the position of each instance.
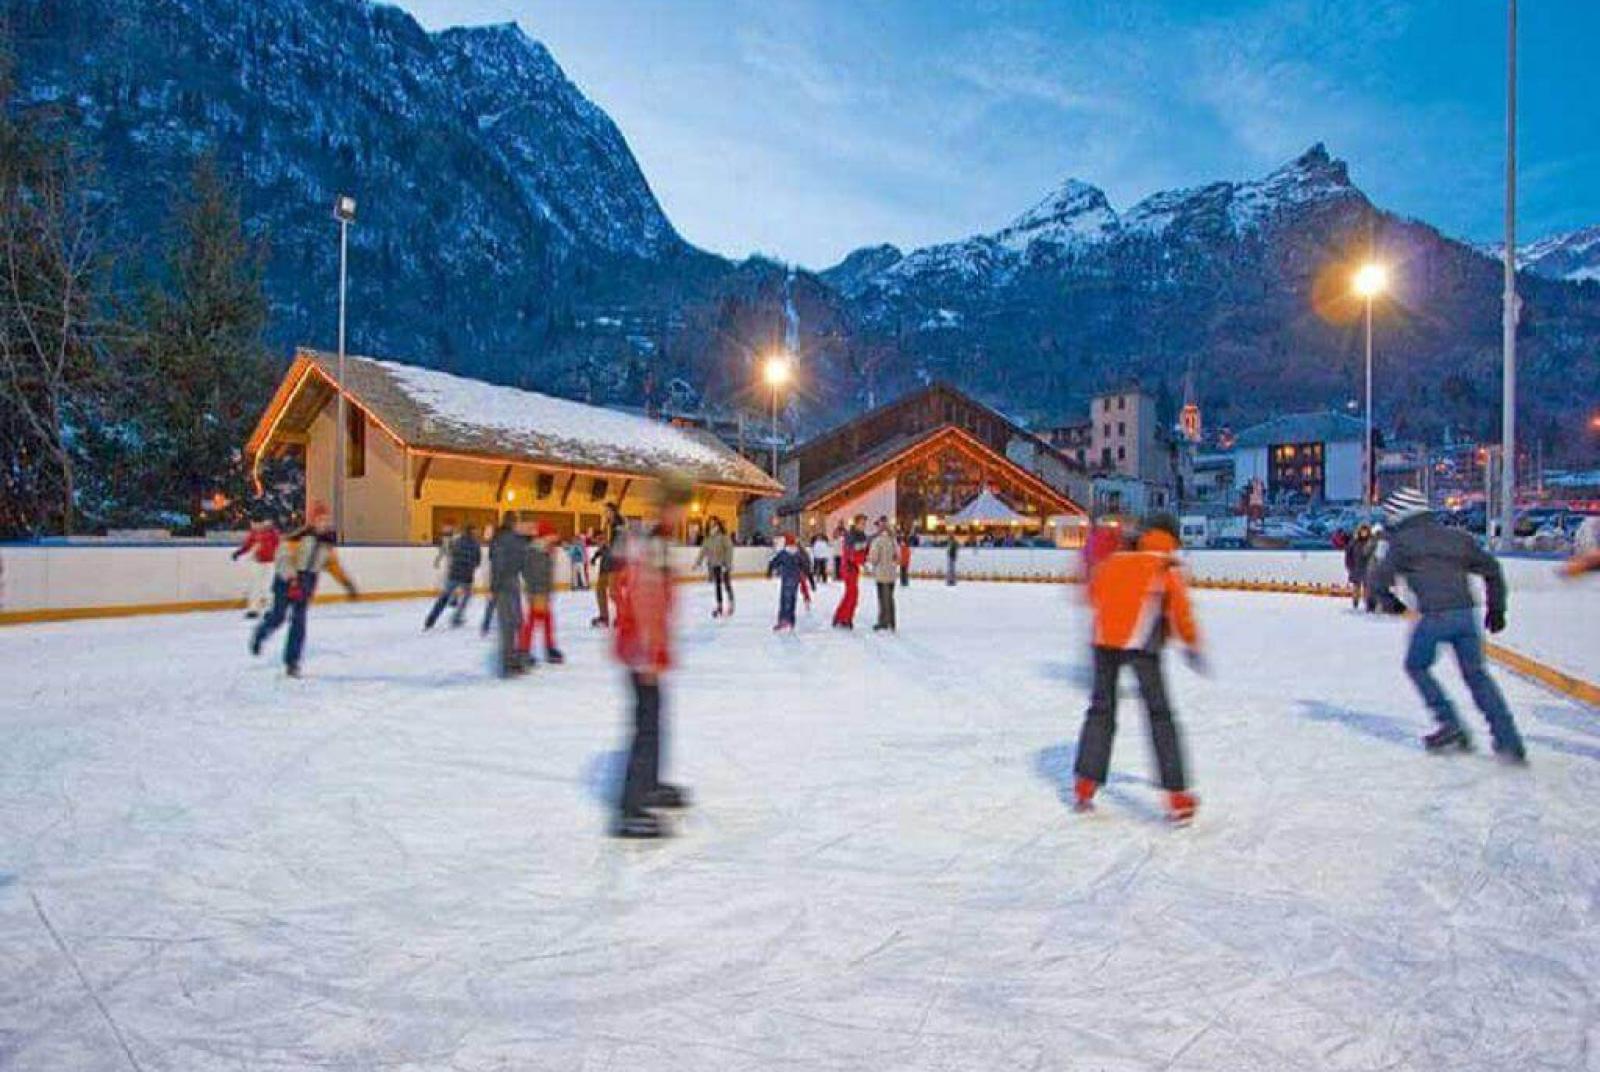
(1437, 563)
(716, 554)
(508, 559)
(883, 558)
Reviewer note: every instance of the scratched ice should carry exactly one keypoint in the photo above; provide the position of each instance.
(398, 863)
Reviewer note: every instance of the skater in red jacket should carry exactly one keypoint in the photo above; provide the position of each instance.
(852, 556)
(644, 600)
(261, 544)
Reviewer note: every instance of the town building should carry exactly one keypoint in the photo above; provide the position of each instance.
(425, 449)
(1301, 458)
(925, 457)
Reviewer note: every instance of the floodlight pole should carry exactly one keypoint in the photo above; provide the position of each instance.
(343, 214)
(774, 431)
(1368, 462)
(1510, 310)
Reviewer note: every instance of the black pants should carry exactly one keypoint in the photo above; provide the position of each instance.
(451, 588)
(819, 570)
(644, 754)
(722, 581)
(508, 615)
(1100, 725)
(905, 576)
(886, 604)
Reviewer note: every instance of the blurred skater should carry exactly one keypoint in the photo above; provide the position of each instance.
(644, 647)
(905, 562)
(821, 553)
(1585, 550)
(1357, 554)
(1138, 597)
(716, 555)
(605, 563)
(539, 579)
(465, 557)
(261, 544)
(1436, 562)
(508, 561)
(951, 550)
(302, 558)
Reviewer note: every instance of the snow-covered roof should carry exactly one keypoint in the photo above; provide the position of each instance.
(432, 410)
(1326, 427)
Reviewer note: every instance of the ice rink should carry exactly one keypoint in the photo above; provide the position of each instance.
(399, 863)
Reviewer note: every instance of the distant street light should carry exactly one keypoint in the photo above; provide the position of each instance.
(1510, 304)
(776, 372)
(344, 210)
(1371, 281)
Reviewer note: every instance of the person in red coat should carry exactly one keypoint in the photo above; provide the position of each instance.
(261, 544)
(853, 555)
(642, 586)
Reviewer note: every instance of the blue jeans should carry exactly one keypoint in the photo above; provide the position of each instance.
(285, 608)
(1459, 629)
(451, 588)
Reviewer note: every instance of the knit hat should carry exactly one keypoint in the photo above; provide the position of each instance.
(1162, 522)
(1403, 504)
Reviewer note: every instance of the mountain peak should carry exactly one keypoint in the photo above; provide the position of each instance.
(1073, 212)
(1315, 165)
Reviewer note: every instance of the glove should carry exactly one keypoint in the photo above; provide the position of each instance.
(1495, 621)
(1197, 662)
(296, 592)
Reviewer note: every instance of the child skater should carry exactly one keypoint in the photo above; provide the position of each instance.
(793, 577)
(538, 576)
(1137, 597)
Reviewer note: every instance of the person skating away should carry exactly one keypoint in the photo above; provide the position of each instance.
(303, 556)
(821, 552)
(605, 563)
(1585, 550)
(643, 645)
(539, 579)
(1357, 553)
(853, 550)
(905, 562)
(716, 555)
(1137, 599)
(951, 550)
(577, 558)
(261, 544)
(1436, 563)
(508, 562)
(790, 567)
(1380, 597)
(883, 560)
(465, 558)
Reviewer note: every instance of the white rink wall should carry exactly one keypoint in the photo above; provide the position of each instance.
(79, 578)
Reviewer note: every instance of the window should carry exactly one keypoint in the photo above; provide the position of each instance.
(545, 485)
(597, 490)
(1122, 428)
(1122, 454)
(1105, 404)
(1105, 456)
(1108, 431)
(1122, 402)
(355, 447)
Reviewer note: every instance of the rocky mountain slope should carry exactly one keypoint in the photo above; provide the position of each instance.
(507, 232)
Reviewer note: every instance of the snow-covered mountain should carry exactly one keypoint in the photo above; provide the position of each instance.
(1572, 255)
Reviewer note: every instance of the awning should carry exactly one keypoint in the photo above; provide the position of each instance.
(988, 509)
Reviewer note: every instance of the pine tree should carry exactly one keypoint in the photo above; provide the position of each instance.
(206, 372)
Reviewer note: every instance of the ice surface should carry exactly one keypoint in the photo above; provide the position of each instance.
(397, 863)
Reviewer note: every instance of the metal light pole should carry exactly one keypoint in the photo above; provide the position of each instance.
(344, 210)
(776, 372)
(1371, 280)
(1510, 310)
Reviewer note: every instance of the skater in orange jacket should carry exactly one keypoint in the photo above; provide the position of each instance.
(1138, 598)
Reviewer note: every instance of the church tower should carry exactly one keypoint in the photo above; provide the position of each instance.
(1189, 416)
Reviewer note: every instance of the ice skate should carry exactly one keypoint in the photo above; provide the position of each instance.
(1181, 807)
(668, 796)
(554, 657)
(1083, 791)
(1448, 738)
(639, 825)
(1512, 755)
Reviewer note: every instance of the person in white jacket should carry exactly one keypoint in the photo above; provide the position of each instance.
(821, 551)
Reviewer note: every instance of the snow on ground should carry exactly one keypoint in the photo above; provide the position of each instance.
(397, 863)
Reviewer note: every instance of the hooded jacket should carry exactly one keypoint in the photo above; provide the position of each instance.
(1139, 597)
(1436, 562)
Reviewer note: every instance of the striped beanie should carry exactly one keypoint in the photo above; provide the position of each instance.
(1404, 503)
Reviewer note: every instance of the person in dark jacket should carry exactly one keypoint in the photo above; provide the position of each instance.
(508, 559)
(303, 556)
(606, 561)
(538, 577)
(793, 574)
(1436, 563)
(465, 557)
(1357, 553)
(951, 549)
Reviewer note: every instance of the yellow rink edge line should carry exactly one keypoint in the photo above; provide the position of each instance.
(1555, 680)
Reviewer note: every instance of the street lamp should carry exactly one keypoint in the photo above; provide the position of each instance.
(776, 372)
(1371, 280)
(344, 210)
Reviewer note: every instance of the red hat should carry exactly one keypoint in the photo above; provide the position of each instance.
(544, 530)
